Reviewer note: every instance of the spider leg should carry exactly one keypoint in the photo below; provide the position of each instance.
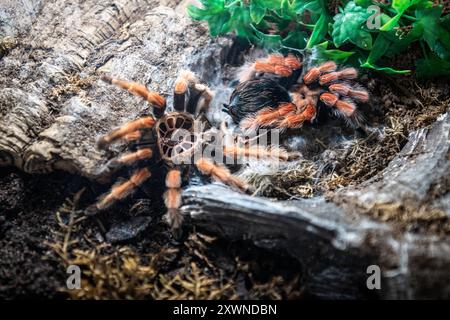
(346, 90)
(206, 95)
(344, 108)
(121, 191)
(179, 93)
(256, 152)
(267, 117)
(340, 96)
(190, 95)
(158, 102)
(287, 115)
(278, 64)
(220, 173)
(133, 136)
(275, 64)
(347, 73)
(128, 158)
(313, 74)
(172, 199)
(296, 120)
(127, 131)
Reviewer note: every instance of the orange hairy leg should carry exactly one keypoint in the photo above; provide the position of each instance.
(281, 70)
(314, 73)
(297, 120)
(220, 173)
(172, 199)
(135, 156)
(278, 64)
(128, 158)
(157, 101)
(347, 108)
(128, 128)
(179, 94)
(256, 152)
(133, 136)
(123, 190)
(348, 73)
(268, 116)
(190, 95)
(345, 90)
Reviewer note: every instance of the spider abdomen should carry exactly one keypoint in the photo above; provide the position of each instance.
(251, 96)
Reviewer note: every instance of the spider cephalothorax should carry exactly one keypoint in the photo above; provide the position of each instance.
(277, 93)
(176, 139)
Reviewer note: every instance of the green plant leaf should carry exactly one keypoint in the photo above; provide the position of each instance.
(319, 32)
(379, 48)
(214, 13)
(363, 3)
(348, 27)
(217, 22)
(400, 5)
(445, 21)
(385, 69)
(337, 55)
(429, 19)
(300, 6)
(240, 22)
(323, 54)
(257, 12)
(300, 24)
(296, 39)
(421, 4)
(391, 24)
(197, 13)
(210, 7)
(287, 10)
(363, 40)
(270, 41)
(400, 42)
(434, 34)
(269, 4)
(432, 66)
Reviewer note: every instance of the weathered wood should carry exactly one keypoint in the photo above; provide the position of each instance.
(52, 104)
(336, 244)
(419, 175)
(53, 107)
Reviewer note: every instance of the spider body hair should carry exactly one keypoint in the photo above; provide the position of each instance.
(169, 143)
(271, 84)
(251, 96)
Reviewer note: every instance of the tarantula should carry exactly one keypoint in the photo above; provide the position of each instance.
(174, 139)
(276, 93)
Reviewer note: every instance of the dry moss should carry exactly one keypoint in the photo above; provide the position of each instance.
(186, 271)
(359, 159)
(424, 219)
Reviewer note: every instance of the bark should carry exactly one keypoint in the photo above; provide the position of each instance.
(337, 243)
(53, 105)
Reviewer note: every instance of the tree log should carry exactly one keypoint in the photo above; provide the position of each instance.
(52, 105)
(53, 108)
(337, 243)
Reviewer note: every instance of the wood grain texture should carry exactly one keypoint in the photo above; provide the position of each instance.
(53, 105)
(337, 241)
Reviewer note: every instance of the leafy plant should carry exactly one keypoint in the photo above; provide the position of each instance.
(357, 33)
